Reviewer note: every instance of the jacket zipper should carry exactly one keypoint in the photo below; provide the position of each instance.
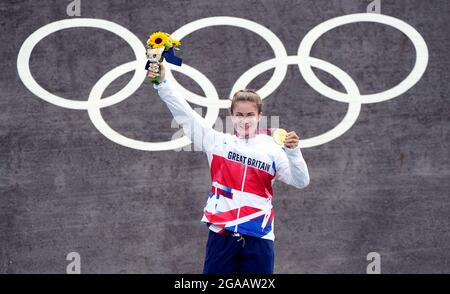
(242, 189)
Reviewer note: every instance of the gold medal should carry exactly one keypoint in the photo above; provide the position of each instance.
(279, 135)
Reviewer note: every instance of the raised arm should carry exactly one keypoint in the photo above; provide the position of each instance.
(195, 127)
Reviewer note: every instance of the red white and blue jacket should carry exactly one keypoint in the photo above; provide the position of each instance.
(242, 172)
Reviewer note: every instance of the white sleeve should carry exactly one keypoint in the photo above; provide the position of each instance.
(291, 168)
(195, 127)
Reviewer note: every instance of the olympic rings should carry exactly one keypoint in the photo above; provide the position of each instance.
(280, 62)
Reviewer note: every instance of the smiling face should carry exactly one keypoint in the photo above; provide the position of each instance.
(245, 118)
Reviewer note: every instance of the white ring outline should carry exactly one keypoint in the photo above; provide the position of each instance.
(414, 76)
(96, 117)
(272, 39)
(349, 84)
(23, 61)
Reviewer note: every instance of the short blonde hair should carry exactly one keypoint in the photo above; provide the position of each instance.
(247, 95)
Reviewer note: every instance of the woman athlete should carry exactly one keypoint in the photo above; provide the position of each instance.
(243, 167)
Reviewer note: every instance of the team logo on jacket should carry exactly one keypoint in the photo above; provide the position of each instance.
(249, 161)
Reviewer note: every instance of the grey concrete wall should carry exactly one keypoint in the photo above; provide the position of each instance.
(381, 187)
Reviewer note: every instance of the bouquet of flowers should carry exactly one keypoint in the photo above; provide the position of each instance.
(161, 45)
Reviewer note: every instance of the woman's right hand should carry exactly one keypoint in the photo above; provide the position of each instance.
(153, 71)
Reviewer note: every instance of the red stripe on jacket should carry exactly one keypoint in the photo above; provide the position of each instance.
(230, 173)
(230, 215)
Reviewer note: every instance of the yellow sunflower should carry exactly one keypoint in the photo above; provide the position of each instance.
(157, 40)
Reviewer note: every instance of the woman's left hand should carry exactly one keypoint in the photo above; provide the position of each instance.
(291, 140)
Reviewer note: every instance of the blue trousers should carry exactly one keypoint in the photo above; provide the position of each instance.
(226, 254)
